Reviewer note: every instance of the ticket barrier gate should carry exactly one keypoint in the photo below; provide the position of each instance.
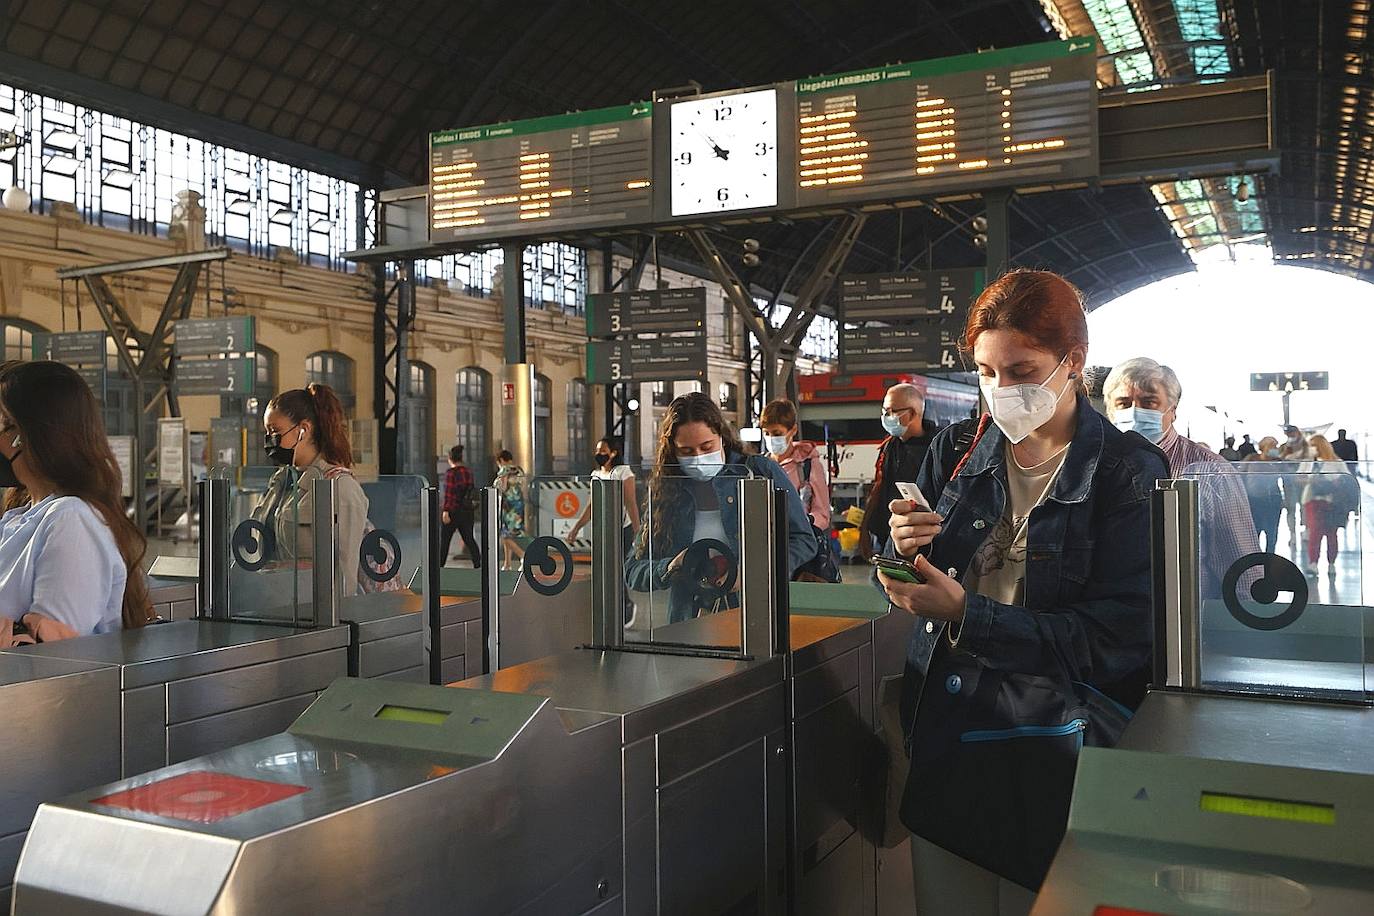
(656, 777)
(1245, 781)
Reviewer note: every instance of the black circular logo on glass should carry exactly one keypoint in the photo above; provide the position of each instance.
(1280, 575)
(252, 544)
(380, 555)
(543, 560)
(711, 569)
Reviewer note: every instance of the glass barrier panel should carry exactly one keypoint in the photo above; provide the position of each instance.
(380, 541)
(682, 573)
(1280, 578)
(268, 544)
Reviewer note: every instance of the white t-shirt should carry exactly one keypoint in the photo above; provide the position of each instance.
(619, 472)
(59, 558)
(709, 525)
(998, 570)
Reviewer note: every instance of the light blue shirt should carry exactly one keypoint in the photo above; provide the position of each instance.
(59, 558)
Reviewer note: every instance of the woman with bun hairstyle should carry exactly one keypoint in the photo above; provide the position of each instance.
(70, 559)
(307, 434)
(1033, 627)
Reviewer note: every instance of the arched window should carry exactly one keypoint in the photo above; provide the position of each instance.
(729, 397)
(474, 411)
(543, 425)
(18, 337)
(579, 449)
(416, 423)
(329, 367)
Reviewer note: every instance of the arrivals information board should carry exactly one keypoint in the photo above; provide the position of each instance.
(650, 310)
(1011, 118)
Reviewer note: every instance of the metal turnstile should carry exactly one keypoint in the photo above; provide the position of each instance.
(62, 724)
(190, 687)
(1245, 782)
(384, 798)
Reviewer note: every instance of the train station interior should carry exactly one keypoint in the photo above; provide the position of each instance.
(794, 458)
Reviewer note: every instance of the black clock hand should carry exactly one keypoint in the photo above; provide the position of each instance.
(720, 153)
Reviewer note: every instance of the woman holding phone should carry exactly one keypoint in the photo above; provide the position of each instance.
(1033, 632)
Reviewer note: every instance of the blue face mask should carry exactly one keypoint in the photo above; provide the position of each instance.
(776, 445)
(1149, 423)
(702, 467)
(893, 426)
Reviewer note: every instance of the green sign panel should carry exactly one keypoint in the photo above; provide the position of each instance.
(215, 376)
(214, 336)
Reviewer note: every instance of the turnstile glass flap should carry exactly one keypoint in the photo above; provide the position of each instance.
(257, 541)
(1248, 597)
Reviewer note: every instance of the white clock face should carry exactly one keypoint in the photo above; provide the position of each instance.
(725, 152)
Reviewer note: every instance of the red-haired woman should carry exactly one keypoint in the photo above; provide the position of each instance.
(1033, 632)
(69, 556)
(307, 433)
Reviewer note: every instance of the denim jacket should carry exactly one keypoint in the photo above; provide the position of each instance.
(644, 573)
(1087, 614)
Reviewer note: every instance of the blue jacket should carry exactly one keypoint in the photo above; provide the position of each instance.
(1088, 580)
(1064, 669)
(643, 574)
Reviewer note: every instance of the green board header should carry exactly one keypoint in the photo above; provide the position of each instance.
(540, 125)
(979, 60)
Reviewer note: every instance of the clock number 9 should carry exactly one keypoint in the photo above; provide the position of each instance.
(722, 194)
(761, 149)
(684, 158)
(724, 112)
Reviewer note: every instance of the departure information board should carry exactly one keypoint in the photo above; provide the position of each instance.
(943, 294)
(659, 359)
(1009, 118)
(656, 310)
(925, 347)
(581, 170)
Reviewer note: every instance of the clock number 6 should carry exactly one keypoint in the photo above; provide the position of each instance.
(722, 194)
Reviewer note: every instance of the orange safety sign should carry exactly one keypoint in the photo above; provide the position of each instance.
(567, 505)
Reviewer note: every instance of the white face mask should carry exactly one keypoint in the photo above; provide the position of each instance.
(702, 467)
(776, 445)
(1019, 410)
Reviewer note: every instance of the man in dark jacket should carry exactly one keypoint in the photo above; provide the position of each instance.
(899, 459)
(1346, 449)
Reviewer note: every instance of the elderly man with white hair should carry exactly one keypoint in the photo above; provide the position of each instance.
(1143, 395)
(900, 457)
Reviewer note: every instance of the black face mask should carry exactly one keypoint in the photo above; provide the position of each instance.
(7, 476)
(601, 460)
(278, 453)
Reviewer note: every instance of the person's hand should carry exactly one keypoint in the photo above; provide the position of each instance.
(941, 597)
(675, 566)
(912, 527)
(446, 519)
(46, 629)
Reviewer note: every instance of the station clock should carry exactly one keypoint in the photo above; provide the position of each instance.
(724, 152)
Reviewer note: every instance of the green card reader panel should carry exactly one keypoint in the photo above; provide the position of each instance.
(476, 725)
(1163, 800)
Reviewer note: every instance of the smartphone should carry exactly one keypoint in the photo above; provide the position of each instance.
(899, 569)
(913, 493)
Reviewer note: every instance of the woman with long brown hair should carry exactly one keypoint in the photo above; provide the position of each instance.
(307, 434)
(69, 556)
(691, 498)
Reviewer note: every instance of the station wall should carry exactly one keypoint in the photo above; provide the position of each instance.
(305, 310)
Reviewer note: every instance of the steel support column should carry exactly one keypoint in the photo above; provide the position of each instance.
(517, 394)
(145, 356)
(390, 362)
(997, 202)
(779, 347)
(513, 301)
